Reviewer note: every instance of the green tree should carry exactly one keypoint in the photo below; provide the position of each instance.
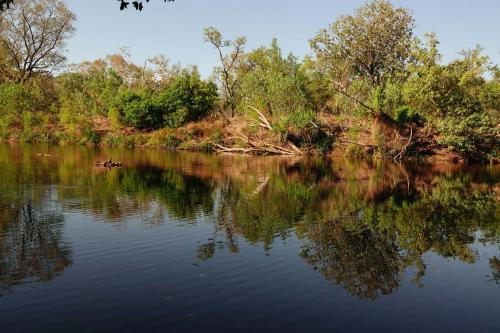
(228, 71)
(373, 44)
(452, 100)
(34, 34)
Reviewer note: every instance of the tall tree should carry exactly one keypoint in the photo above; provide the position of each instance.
(373, 43)
(228, 72)
(34, 34)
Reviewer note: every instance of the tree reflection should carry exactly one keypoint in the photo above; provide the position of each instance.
(367, 263)
(362, 224)
(32, 246)
(495, 269)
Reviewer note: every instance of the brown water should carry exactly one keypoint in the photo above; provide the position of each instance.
(178, 242)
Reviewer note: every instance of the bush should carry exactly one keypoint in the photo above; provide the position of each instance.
(18, 98)
(405, 114)
(114, 117)
(139, 110)
(187, 98)
(5, 123)
(452, 100)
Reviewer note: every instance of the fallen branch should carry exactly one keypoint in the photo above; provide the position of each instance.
(294, 147)
(403, 150)
(335, 83)
(356, 143)
(264, 123)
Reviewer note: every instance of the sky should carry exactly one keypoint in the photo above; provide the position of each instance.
(175, 29)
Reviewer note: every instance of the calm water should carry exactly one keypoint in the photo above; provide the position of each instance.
(178, 242)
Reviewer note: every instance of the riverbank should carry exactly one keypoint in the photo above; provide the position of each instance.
(375, 137)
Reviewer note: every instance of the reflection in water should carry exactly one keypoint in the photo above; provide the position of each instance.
(495, 268)
(31, 245)
(361, 224)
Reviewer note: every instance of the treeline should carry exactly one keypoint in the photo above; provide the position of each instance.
(370, 87)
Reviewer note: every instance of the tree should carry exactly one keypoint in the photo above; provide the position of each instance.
(372, 44)
(455, 100)
(34, 34)
(229, 65)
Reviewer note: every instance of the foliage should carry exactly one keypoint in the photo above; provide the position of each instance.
(18, 98)
(369, 75)
(451, 99)
(139, 110)
(373, 44)
(38, 46)
(276, 84)
(227, 73)
(186, 98)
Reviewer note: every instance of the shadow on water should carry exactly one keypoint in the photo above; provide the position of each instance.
(361, 224)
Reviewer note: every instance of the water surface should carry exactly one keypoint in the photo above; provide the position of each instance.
(179, 242)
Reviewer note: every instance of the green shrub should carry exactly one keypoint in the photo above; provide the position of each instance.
(171, 142)
(18, 98)
(5, 124)
(139, 110)
(187, 98)
(406, 114)
(115, 118)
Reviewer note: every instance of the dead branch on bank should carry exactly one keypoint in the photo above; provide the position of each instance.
(263, 121)
(400, 155)
(337, 86)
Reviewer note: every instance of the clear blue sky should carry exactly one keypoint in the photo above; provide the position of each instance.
(176, 29)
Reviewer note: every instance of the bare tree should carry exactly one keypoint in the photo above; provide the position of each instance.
(34, 34)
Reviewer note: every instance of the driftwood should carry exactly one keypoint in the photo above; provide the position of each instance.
(257, 148)
(109, 164)
(356, 143)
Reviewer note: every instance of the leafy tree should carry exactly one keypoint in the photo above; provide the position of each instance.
(373, 44)
(34, 34)
(452, 101)
(99, 89)
(230, 62)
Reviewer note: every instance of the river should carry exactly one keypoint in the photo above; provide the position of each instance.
(184, 242)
